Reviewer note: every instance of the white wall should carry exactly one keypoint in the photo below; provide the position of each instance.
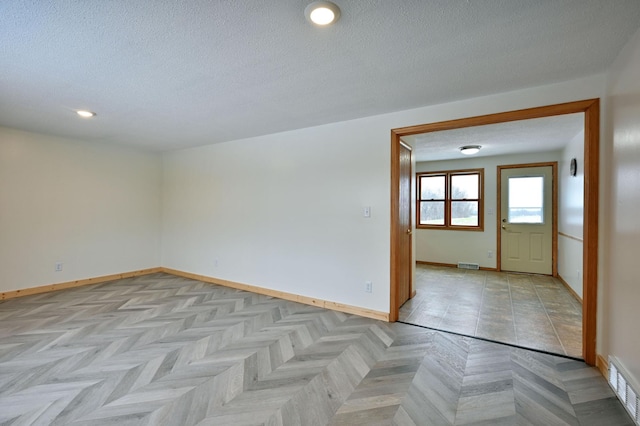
(94, 207)
(571, 215)
(284, 211)
(451, 247)
(620, 289)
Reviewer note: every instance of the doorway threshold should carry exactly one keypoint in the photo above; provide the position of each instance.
(540, 351)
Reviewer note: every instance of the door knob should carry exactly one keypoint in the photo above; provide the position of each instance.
(504, 227)
(409, 231)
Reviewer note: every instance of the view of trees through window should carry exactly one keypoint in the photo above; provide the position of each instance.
(450, 199)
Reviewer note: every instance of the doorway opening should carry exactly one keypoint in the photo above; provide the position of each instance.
(590, 108)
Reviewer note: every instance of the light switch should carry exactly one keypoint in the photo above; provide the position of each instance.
(366, 211)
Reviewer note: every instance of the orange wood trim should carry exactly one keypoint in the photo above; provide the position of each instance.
(481, 211)
(554, 224)
(500, 117)
(445, 172)
(335, 306)
(77, 283)
(591, 110)
(448, 200)
(569, 289)
(603, 366)
(571, 237)
(519, 166)
(395, 241)
(449, 228)
(449, 265)
(590, 246)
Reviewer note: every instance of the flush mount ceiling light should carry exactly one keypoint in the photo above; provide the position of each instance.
(85, 114)
(322, 13)
(470, 149)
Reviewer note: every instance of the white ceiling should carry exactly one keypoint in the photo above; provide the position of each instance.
(516, 137)
(166, 74)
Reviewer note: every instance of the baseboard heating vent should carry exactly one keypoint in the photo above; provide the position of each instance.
(464, 265)
(625, 388)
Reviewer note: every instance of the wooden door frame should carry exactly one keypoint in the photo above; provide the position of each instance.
(554, 212)
(591, 110)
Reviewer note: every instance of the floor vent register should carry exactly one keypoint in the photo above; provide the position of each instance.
(625, 388)
(465, 265)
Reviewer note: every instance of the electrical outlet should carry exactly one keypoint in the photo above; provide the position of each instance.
(59, 266)
(490, 254)
(366, 211)
(368, 287)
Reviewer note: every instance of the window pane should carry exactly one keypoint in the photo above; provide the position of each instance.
(464, 186)
(432, 188)
(525, 199)
(464, 213)
(431, 213)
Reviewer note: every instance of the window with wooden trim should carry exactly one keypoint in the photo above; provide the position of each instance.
(450, 200)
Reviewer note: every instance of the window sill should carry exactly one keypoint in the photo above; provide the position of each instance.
(452, 228)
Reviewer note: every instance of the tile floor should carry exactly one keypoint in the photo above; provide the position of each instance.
(531, 311)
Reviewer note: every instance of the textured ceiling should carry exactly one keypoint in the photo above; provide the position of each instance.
(167, 74)
(515, 137)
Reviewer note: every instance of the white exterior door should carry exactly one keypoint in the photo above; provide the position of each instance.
(526, 219)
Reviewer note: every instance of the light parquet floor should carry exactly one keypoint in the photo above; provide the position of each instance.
(163, 350)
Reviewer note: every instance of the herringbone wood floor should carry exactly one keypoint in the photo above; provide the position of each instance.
(162, 350)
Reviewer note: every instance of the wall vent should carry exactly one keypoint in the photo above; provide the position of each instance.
(625, 388)
(465, 265)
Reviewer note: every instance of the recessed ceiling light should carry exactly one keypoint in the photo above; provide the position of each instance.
(322, 12)
(85, 114)
(470, 149)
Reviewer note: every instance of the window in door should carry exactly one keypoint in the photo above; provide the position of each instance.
(526, 200)
(450, 200)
